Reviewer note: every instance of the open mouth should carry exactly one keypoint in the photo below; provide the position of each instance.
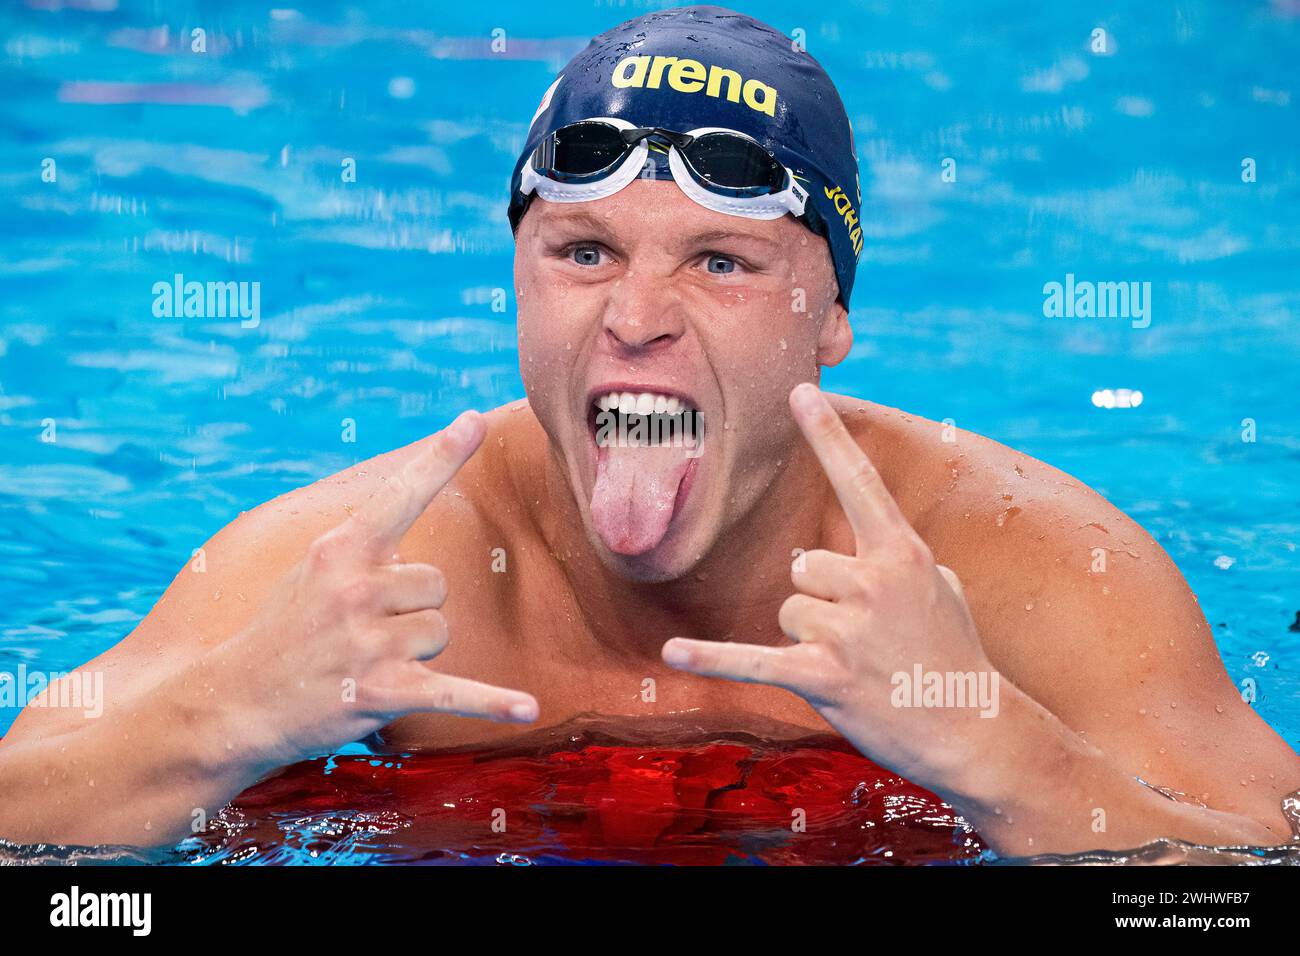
(647, 454)
(645, 418)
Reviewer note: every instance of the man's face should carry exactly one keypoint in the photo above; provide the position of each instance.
(648, 293)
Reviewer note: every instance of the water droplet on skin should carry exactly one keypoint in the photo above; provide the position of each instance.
(1218, 708)
(1029, 606)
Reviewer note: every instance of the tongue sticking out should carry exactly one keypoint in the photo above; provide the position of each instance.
(636, 490)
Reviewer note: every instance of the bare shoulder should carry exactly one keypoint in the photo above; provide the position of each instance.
(1056, 576)
(243, 561)
(224, 585)
(940, 474)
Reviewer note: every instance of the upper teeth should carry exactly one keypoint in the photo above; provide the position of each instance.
(641, 403)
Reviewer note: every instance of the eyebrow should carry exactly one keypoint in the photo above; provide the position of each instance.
(578, 219)
(718, 235)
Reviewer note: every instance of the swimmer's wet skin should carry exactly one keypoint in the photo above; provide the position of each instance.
(678, 288)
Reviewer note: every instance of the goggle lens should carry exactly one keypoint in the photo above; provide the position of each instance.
(580, 149)
(733, 162)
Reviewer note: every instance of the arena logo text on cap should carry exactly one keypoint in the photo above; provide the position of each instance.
(692, 76)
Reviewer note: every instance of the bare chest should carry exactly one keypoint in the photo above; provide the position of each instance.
(523, 630)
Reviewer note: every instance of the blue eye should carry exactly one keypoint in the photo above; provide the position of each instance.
(586, 255)
(721, 265)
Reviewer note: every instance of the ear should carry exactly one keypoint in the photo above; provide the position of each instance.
(835, 337)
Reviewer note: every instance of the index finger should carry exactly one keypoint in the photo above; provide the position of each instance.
(789, 667)
(423, 689)
(384, 519)
(866, 501)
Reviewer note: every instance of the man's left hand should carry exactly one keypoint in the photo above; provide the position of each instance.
(858, 620)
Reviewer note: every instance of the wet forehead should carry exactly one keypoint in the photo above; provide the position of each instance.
(659, 212)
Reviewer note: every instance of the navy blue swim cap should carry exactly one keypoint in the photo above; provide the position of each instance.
(689, 67)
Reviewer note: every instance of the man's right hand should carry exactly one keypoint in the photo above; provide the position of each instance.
(337, 651)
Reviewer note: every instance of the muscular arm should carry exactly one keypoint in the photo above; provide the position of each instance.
(306, 629)
(172, 738)
(1087, 616)
(136, 775)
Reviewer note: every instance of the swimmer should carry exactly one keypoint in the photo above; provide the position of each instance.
(686, 213)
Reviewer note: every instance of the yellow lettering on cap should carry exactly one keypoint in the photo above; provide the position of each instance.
(622, 78)
(764, 104)
(716, 76)
(844, 206)
(657, 67)
(679, 79)
(692, 76)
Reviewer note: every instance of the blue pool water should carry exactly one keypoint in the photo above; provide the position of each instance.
(376, 295)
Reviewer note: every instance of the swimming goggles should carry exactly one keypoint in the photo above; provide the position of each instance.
(721, 169)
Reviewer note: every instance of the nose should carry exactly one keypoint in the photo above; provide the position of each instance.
(643, 314)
